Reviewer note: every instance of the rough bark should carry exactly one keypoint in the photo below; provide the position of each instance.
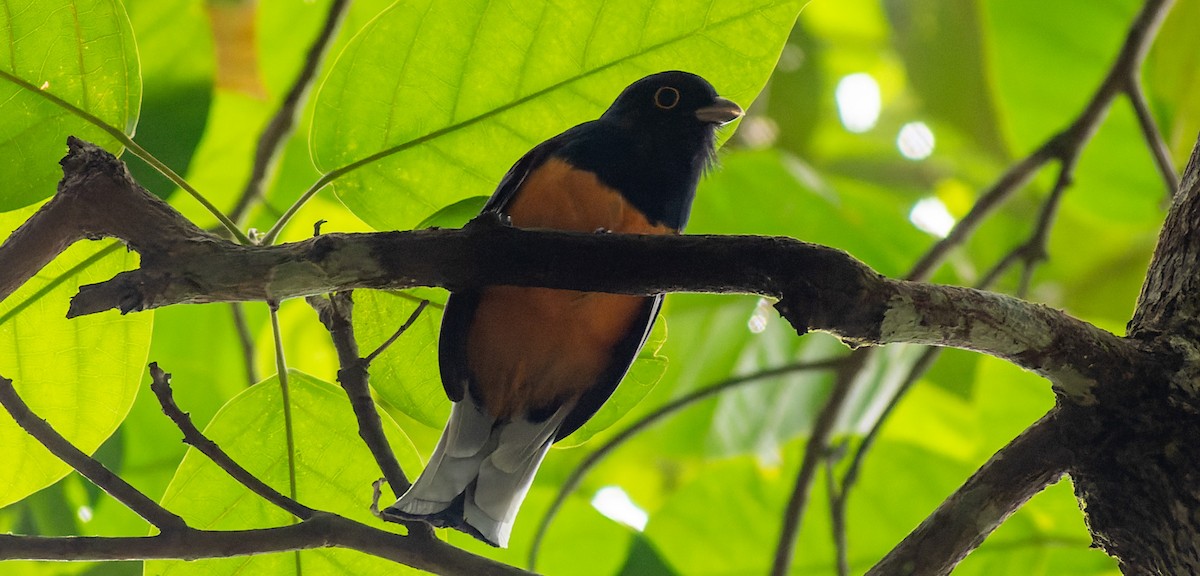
(1137, 451)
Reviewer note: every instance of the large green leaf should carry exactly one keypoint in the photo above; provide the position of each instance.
(456, 109)
(333, 469)
(80, 51)
(81, 375)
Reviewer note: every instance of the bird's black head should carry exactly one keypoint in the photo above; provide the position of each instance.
(654, 142)
(678, 101)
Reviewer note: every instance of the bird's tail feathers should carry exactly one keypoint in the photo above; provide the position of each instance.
(479, 473)
(454, 464)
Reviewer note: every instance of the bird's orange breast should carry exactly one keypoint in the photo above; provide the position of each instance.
(531, 348)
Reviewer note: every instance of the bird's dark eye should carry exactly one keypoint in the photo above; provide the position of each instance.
(666, 98)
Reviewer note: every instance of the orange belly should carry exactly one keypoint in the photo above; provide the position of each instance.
(531, 348)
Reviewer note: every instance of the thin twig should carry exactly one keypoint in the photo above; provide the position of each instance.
(1152, 134)
(281, 371)
(815, 451)
(1008, 183)
(690, 399)
(285, 391)
(412, 318)
(273, 138)
(160, 384)
(88, 467)
(838, 503)
(1069, 142)
(336, 312)
(837, 516)
(1035, 250)
(246, 340)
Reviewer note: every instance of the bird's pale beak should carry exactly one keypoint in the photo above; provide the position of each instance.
(721, 111)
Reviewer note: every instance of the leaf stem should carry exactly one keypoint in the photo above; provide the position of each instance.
(284, 389)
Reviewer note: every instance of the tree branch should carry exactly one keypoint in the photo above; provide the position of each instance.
(815, 452)
(242, 326)
(819, 288)
(102, 477)
(192, 436)
(1068, 143)
(1032, 461)
(323, 530)
(1154, 138)
(1065, 146)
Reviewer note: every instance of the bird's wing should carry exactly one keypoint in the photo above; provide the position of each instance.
(623, 355)
(512, 180)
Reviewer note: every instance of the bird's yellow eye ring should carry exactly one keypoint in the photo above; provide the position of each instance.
(666, 98)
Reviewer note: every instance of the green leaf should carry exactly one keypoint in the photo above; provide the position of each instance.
(80, 51)
(334, 472)
(81, 375)
(453, 111)
(1073, 42)
(455, 215)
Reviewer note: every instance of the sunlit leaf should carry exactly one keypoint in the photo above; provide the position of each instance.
(81, 51)
(456, 109)
(81, 375)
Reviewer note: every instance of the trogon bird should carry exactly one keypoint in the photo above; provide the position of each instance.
(525, 367)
